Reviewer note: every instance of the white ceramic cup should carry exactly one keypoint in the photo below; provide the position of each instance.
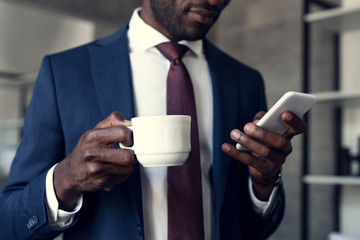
(161, 140)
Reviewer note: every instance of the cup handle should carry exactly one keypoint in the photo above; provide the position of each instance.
(124, 147)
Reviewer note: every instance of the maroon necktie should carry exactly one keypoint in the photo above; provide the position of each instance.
(185, 212)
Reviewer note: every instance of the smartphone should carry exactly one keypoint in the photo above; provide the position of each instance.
(295, 102)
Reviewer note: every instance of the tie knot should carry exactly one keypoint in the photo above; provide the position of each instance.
(172, 51)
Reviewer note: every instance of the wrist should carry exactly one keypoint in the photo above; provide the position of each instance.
(263, 187)
(65, 192)
(271, 182)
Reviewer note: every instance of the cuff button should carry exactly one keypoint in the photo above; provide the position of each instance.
(33, 221)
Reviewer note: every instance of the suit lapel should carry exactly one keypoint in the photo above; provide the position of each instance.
(110, 65)
(111, 71)
(225, 109)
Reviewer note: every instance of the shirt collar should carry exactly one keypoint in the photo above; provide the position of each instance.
(143, 37)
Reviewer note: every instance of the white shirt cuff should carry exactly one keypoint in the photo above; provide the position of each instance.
(262, 207)
(58, 218)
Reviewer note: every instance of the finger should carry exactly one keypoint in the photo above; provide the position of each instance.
(296, 124)
(244, 157)
(260, 134)
(258, 116)
(102, 175)
(263, 166)
(114, 119)
(257, 148)
(118, 157)
(260, 168)
(288, 148)
(101, 170)
(109, 135)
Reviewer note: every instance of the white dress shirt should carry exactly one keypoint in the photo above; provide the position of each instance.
(149, 73)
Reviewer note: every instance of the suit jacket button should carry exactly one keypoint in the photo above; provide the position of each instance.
(139, 229)
(33, 221)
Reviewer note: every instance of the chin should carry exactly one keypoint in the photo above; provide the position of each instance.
(193, 36)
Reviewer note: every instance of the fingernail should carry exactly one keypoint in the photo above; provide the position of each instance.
(225, 148)
(288, 116)
(249, 128)
(127, 123)
(235, 134)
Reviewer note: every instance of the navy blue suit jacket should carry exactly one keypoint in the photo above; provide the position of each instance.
(77, 89)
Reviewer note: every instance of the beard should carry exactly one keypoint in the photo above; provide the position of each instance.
(174, 20)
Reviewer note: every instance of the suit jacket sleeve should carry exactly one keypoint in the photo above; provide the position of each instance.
(254, 225)
(22, 208)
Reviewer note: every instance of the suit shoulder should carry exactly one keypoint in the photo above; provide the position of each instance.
(82, 50)
(214, 52)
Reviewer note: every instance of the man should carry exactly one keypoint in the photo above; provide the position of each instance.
(64, 163)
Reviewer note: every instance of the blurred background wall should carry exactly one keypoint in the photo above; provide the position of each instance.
(265, 34)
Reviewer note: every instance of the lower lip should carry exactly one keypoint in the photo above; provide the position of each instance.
(201, 18)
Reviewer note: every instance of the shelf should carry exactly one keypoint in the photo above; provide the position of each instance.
(331, 180)
(338, 97)
(331, 24)
(337, 19)
(8, 79)
(6, 124)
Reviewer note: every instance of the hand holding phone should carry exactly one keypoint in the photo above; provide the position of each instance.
(295, 102)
